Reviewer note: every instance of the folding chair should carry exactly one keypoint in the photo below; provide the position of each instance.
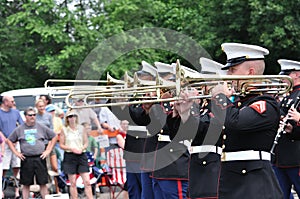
(113, 177)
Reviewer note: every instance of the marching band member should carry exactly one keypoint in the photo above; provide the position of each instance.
(170, 174)
(287, 159)
(134, 142)
(140, 114)
(205, 150)
(250, 126)
(205, 162)
(156, 115)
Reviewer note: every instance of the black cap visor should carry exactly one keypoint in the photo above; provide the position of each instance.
(237, 61)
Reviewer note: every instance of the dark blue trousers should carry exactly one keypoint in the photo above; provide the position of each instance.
(147, 186)
(133, 175)
(170, 189)
(288, 177)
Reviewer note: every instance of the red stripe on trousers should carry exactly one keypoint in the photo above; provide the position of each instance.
(179, 186)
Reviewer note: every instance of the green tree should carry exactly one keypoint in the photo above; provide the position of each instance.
(59, 39)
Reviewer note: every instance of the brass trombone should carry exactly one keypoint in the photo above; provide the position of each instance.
(78, 86)
(137, 93)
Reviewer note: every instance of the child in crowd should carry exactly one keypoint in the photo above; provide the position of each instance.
(93, 145)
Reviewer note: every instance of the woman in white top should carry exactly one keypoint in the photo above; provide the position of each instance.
(74, 141)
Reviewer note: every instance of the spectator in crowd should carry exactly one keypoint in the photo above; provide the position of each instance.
(110, 124)
(87, 115)
(121, 143)
(46, 99)
(122, 133)
(74, 140)
(10, 118)
(57, 127)
(93, 145)
(1, 164)
(60, 113)
(42, 115)
(34, 151)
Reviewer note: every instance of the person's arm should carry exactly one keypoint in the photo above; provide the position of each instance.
(96, 121)
(120, 141)
(2, 145)
(62, 142)
(3, 136)
(85, 139)
(14, 150)
(50, 144)
(95, 150)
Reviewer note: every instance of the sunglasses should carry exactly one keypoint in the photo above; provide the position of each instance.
(70, 116)
(30, 115)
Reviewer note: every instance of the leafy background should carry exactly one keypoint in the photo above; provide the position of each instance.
(50, 39)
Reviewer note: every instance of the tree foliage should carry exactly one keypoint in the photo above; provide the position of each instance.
(67, 39)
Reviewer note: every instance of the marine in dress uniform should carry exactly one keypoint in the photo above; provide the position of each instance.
(156, 118)
(287, 151)
(134, 143)
(153, 121)
(249, 129)
(170, 173)
(133, 150)
(205, 162)
(205, 150)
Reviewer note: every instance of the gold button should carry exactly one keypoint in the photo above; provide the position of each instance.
(171, 150)
(204, 162)
(224, 137)
(167, 109)
(161, 130)
(244, 171)
(223, 127)
(239, 104)
(223, 146)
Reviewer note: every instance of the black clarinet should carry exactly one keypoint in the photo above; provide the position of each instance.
(281, 129)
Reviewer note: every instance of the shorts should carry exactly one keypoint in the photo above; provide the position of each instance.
(75, 163)
(33, 166)
(10, 160)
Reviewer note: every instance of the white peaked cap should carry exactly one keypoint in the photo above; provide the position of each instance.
(289, 65)
(164, 68)
(185, 68)
(210, 66)
(238, 53)
(146, 67)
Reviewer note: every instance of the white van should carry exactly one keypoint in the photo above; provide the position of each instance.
(27, 97)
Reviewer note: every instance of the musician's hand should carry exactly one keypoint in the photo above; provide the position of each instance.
(147, 107)
(182, 106)
(293, 114)
(222, 88)
(288, 128)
